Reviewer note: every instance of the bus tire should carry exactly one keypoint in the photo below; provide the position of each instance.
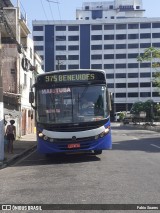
(97, 152)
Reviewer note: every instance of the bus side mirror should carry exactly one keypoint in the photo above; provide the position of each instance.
(31, 97)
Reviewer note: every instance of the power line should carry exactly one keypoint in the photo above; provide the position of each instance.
(44, 11)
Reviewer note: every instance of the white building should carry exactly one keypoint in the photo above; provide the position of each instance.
(111, 41)
(17, 81)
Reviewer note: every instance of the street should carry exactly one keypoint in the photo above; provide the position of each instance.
(127, 174)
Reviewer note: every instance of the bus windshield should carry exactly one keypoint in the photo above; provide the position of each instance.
(71, 104)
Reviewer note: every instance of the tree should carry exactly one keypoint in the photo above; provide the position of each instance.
(152, 54)
(137, 107)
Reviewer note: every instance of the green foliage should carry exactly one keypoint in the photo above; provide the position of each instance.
(152, 54)
(137, 107)
(152, 109)
(121, 116)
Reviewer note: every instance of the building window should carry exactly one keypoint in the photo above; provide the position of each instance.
(38, 48)
(156, 44)
(73, 66)
(145, 45)
(60, 38)
(155, 25)
(108, 37)
(120, 85)
(133, 36)
(96, 47)
(120, 56)
(109, 27)
(60, 67)
(120, 66)
(108, 66)
(13, 71)
(73, 38)
(145, 84)
(25, 79)
(60, 28)
(145, 75)
(120, 75)
(155, 94)
(108, 46)
(145, 65)
(73, 57)
(96, 66)
(145, 35)
(110, 85)
(132, 95)
(132, 75)
(133, 65)
(133, 26)
(133, 46)
(110, 76)
(86, 7)
(120, 95)
(132, 55)
(60, 57)
(73, 47)
(121, 26)
(96, 57)
(42, 57)
(108, 56)
(120, 46)
(96, 27)
(37, 28)
(155, 35)
(145, 94)
(145, 25)
(73, 28)
(120, 36)
(132, 85)
(96, 37)
(37, 38)
(63, 47)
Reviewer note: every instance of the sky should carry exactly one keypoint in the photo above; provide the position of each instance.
(66, 9)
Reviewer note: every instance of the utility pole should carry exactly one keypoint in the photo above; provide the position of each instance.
(1, 105)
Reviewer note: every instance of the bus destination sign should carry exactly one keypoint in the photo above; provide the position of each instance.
(71, 77)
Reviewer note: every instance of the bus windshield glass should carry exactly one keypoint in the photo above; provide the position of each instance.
(71, 104)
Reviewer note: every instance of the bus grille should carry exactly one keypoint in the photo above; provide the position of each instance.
(85, 143)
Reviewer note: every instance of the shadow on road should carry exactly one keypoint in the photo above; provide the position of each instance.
(39, 159)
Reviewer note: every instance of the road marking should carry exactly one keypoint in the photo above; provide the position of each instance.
(155, 146)
(136, 138)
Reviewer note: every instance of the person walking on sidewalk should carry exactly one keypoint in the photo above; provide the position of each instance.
(11, 135)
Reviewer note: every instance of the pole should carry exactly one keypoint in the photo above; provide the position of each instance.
(1, 107)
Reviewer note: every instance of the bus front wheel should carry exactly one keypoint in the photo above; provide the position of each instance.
(97, 152)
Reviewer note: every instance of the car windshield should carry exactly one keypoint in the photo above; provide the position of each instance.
(71, 104)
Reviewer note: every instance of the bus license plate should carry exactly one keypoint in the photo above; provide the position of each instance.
(73, 146)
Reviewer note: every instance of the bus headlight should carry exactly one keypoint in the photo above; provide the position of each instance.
(40, 134)
(105, 132)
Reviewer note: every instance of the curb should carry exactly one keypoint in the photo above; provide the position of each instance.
(6, 163)
(150, 128)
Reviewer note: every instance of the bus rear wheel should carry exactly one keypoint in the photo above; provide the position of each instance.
(97, 152)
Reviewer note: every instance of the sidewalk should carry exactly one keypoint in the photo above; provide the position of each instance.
(21, 147)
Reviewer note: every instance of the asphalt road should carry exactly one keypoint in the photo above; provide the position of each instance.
(127, 174)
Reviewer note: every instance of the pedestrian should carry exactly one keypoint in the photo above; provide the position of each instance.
(11, 135)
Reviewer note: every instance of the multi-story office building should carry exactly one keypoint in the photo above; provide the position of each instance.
(105, 35)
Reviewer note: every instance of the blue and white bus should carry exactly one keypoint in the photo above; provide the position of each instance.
(72, 111)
